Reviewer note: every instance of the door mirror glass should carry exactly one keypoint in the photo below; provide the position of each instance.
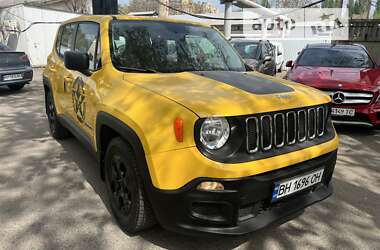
(77, 61)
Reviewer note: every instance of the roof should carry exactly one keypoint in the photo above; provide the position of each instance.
(338, 46)
(103, 18)
(243, 40)
(143, 13)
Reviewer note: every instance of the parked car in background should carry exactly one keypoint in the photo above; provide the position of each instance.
(259, 55)
(15, 69)
(279, 55)
(348, 74)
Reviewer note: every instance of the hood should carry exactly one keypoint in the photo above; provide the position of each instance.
(221, 93)
(337, 78)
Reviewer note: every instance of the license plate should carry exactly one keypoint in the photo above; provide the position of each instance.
(12, 77)
(298, 183)
(342, 112)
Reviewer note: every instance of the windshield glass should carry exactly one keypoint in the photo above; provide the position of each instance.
(170, 47)
(335, 57)
(247, 50)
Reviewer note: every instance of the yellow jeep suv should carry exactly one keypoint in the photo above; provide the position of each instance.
(184, 134)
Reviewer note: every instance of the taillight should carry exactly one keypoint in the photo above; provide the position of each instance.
(24, 58)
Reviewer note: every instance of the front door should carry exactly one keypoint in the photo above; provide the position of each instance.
(83, 96)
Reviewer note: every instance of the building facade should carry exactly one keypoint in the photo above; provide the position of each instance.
(32, 29)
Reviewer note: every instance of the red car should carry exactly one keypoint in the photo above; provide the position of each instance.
(348, 74)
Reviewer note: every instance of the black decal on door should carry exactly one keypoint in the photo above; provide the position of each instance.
(79, 99)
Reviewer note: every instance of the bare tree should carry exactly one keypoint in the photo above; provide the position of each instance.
(77, 6)
(292, 3)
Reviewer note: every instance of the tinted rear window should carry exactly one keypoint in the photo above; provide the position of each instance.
(3, 47)
(335, 57)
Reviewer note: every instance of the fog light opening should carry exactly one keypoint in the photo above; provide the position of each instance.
(210, 186)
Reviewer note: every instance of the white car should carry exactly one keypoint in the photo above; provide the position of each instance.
(279, 54)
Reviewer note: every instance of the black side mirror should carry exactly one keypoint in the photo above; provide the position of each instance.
(248, 67)
(289, 64)
(77, 61)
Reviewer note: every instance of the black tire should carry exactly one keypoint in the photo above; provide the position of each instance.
(128, 201)
(57, 130)
(17, 86)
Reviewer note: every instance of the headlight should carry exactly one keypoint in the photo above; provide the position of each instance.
(378, 98)
(214, 132)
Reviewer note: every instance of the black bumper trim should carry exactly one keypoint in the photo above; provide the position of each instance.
(26, 72)
(277, 215)
(194, 212)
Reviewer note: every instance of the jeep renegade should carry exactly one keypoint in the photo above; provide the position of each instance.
(183, 133)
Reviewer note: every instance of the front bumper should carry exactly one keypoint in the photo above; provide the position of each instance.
(245, 204)
(365, 115)
(27, 75)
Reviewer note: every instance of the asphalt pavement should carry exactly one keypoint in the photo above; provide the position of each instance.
(51, 197)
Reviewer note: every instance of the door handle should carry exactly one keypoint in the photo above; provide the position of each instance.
(67, 82)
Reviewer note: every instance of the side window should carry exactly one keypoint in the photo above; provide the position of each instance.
(67, 40)
(59, 37)
(98, 63)
(87, 41)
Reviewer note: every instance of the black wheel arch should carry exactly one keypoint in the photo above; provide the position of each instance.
(109, 127)
(46, 83)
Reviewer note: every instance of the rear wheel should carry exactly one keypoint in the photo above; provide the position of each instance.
(128, 201)
(17, 86)
(57, 130)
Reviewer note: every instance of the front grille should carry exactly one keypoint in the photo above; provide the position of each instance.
(350, 97)
(285, 128)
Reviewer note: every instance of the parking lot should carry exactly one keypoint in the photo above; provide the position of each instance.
(51, 197)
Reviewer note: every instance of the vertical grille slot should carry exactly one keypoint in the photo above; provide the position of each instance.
(302, 125)
(252, 134)
(266, 132)
(279, 130)
(285, 128)
(291, 125)
(312, 123)
(320, 121)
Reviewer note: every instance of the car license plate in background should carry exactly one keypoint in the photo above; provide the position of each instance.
(342, 112)
(12, 77)
(298, 183)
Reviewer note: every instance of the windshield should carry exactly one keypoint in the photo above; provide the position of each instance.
(156, 46)
(335, 57)
(247, 50)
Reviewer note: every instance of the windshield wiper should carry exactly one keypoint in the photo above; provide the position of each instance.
(131, 69)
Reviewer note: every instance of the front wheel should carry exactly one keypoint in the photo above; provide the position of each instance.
(17, 86)
(128, 200)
